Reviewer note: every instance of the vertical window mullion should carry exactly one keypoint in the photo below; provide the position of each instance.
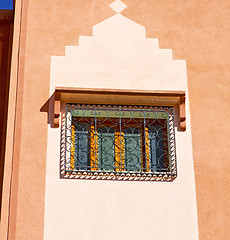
(122, 142)
(96, 141)
(145, 156)
(94, 145)
(144, 159)
(119, 147)
(165, 133)
(120, 153)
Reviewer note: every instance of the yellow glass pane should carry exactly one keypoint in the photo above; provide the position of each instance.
(145, 153)
(93, 149)
(119, 151)
(72, 157)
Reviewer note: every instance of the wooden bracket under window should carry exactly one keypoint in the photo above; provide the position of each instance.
(182, 114)
(57, 110)
(119, 96)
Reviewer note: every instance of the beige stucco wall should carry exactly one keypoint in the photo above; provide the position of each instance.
(196, 31)
(119, 56)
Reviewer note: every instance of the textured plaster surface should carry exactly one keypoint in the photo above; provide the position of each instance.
(118, 55)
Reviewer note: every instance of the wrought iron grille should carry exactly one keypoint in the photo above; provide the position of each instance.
(118, 142)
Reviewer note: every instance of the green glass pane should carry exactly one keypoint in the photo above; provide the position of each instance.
(132, 150)
(106, 149)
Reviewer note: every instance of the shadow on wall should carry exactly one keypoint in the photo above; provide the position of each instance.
(6, 32)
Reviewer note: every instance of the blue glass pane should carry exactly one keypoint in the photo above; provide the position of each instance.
(153, 152)
(81, 146)
(158, 148)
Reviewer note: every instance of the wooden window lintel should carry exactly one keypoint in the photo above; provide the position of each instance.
(119, 96)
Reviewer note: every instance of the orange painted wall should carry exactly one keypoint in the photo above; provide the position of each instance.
(197, 31)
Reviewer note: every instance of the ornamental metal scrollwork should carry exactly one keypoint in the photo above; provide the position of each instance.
(131, 143)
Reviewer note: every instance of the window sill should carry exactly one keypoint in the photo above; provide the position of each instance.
(117, 176)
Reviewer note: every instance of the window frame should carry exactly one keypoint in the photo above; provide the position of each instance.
(55, 107)
(120, 175)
